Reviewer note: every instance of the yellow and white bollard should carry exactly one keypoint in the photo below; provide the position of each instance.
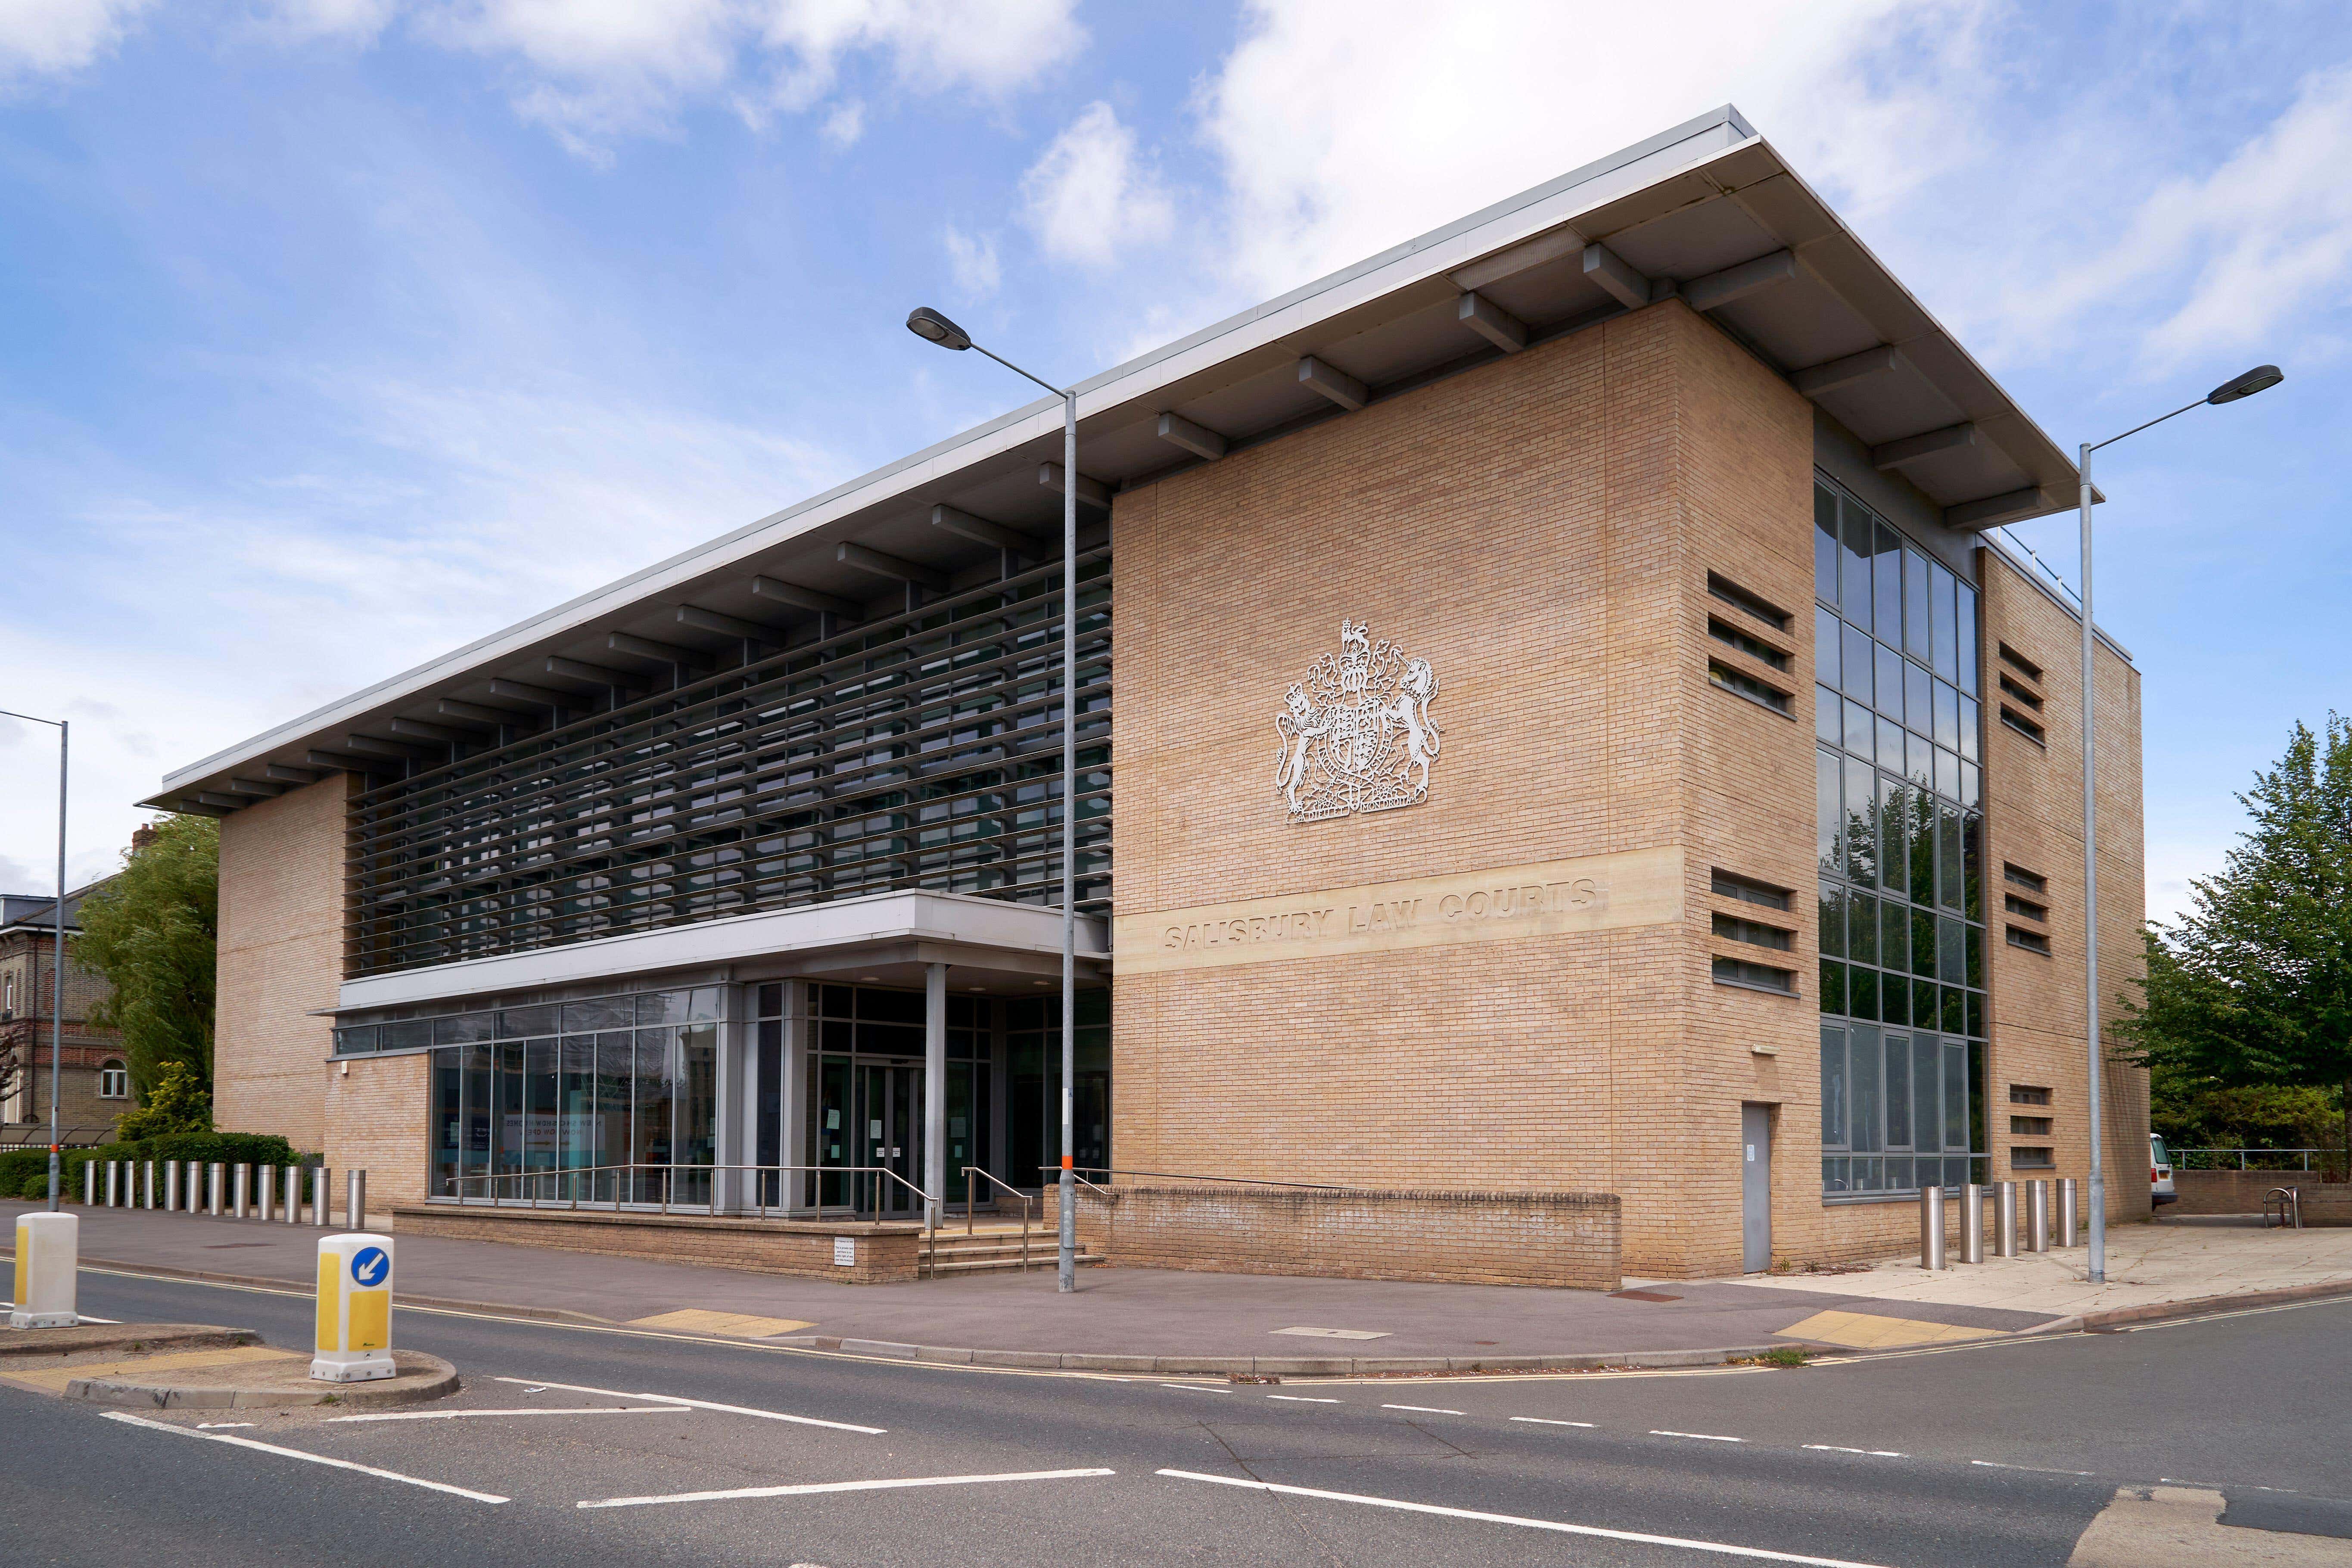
(49, 1250)
(354, 1309)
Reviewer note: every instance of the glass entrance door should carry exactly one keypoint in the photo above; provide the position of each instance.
(890, 1125)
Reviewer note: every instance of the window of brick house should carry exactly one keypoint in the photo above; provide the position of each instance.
(114, 1081)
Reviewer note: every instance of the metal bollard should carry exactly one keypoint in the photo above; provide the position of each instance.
(171, 1186)
(290, 1177)
(1972, 1223)
(264, 1194)
(2069, 1217)
(214, 1173)
(241, 1190)
(147, 1179)
(2037, 1217)
(114, 1183)
(1931, 1228)
(89, 1184)
(355, 1200)
(2004, 1219)
(323, 1189)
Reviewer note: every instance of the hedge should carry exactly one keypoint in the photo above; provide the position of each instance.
(26, 1175)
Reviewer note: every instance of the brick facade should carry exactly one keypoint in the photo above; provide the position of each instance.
(27, 986)
(281, 913)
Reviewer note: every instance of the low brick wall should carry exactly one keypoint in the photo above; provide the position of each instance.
(1570, 1239)
(885, 1253)
(2240, 1192)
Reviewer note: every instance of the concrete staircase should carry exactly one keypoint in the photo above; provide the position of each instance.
(992, 1248)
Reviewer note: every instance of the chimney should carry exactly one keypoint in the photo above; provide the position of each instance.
(143, 836)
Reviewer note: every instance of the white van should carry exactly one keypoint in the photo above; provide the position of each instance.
(2159, 1173)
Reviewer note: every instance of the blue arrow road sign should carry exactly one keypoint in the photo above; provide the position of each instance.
(370, 1265)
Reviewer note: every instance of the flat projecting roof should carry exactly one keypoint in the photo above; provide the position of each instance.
(1708, 212)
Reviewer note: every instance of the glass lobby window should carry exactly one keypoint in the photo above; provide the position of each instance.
(1898, 792)
(553, 1117)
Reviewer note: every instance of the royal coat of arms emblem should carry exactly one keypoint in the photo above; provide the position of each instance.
(1356, 733)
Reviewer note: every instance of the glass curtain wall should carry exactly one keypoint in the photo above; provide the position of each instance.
(1901, 846)
(609, 1100)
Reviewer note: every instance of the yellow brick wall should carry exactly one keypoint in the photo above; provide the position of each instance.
(281, 904)
(375, 1112)
(2033, 818)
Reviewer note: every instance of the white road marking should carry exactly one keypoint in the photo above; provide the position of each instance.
(2218, 1486)
(1872, 1453)
(812, 1490)
(86, 1318)
(704, 1405)
(1755, 1553)
(2037, 1469)
(1424, 1409)
(217, 1426)
(1540, 1421)
(1301, 1399)
(298, 1454)
(1194, 1388)
(1702, 1436)
(455, 1414)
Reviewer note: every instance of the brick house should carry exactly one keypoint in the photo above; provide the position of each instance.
(1574, 735)
(94, 1087)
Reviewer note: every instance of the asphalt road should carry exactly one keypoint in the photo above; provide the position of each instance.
(1977, 1457)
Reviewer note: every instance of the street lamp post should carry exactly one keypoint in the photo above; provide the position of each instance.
(56, 955)
(932, 327)
(2259, 379)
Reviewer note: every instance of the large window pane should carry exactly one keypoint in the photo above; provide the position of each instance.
(1853, 571)
(1827, 640)
(650, 1129)
(1923, 943)
(1948, 774)
(1947, 839)
(1914, 604)
(539, 1111)
(1833, 998)
(1947, 715)
(616, 1073)
(1889, 665)
(1831, 927)
(696, 1134)
(1829, 815)
(1829, 719)
(1921, 810)
(1863, 1089)
(1858, 727)
(1971, 726)
(510, 1092)
(1862, 825)
(1955, 1096)
(1825, 546)
(1856, 660)
(449, 1123)
(1860, 992)
(1886, 574)
(1967, 624)
(1898, 1090)
(1927, 1082)
(475, 1161)
(575, 1093)
(1893, 830)
(1832, 1088)
(1946, 626)
(1891, 741)
(1863, 928)
(1951, 950)
(1918, 700)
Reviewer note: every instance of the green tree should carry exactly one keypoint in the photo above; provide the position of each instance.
(2253, 987)
(177, 1102)
(151, 933)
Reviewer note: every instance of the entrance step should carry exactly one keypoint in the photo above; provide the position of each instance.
(992, 1248)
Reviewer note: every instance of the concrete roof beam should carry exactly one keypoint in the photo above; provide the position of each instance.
(892, 566)
(1615, 277)
(1717, 289)
(979, 531)
(1888, 456)
(1492, 322)
(1336, 384)
(1198, 439)
(1091, 492)
(802, 598)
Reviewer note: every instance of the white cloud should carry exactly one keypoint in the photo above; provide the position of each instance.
(2259, 239)
(356, 21)
(987, 46)
(844, 125)
(1089, 197)
(973, 259)
(1338, 139)
(52, 37)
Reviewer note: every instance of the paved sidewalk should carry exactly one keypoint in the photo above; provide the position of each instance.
(2167, 1262)
(1147, 1319)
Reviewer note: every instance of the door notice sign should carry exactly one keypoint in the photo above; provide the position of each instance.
(845, 1251)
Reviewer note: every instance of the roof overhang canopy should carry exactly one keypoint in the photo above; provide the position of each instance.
(1708, 212)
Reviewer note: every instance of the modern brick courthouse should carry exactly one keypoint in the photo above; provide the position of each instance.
(1559, 756)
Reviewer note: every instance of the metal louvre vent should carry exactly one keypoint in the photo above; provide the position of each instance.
(922, 751)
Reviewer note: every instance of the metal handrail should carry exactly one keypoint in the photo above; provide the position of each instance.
(2303, 1164)
(1055, 1171)
(1186, 1176)
(2290, 1203)
(968, 1172)
(574, 1172)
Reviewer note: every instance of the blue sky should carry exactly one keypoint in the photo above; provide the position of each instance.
(342, 331)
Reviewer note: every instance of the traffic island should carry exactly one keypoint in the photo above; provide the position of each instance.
(23, 1347)
(259, 1378)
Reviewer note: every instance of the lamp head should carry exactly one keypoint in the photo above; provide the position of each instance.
(926, 322)
(2262, 378)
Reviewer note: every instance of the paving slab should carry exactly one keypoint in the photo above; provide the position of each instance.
(1149, 1321)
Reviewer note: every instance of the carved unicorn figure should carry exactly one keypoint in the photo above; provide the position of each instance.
(1409, 710)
